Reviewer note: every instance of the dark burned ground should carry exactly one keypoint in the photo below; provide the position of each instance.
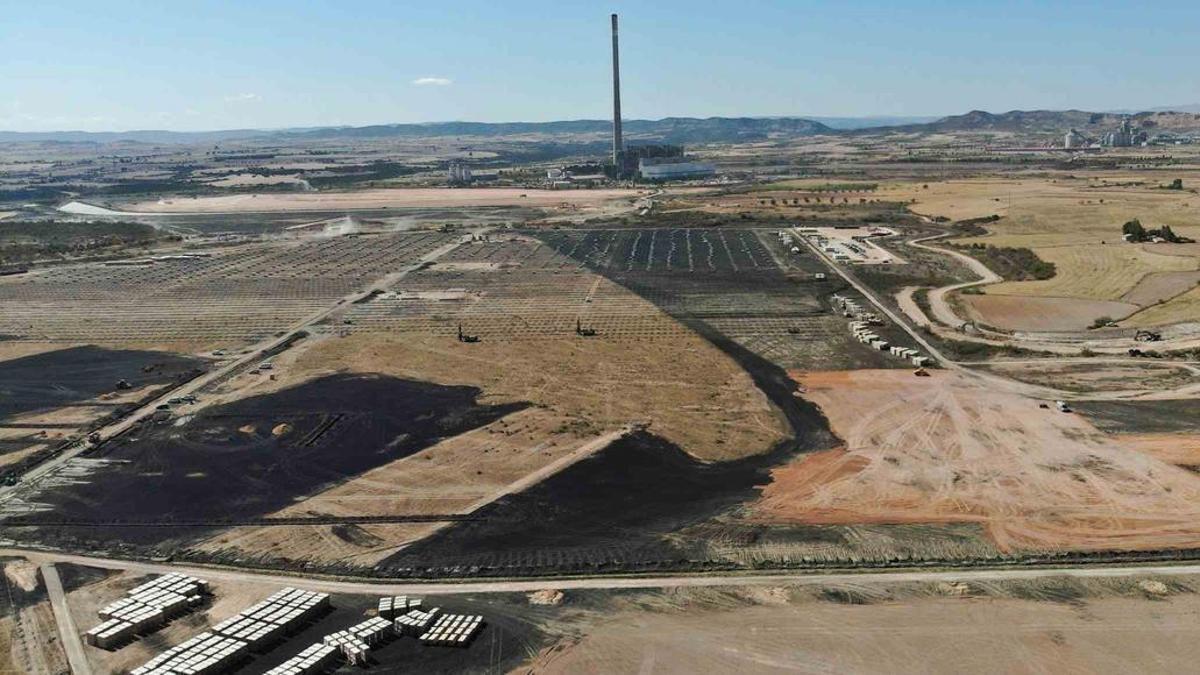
(238, 461)
(738, 283)
(60, 378)
(511, 635)
(1143, 417)
(624, 507)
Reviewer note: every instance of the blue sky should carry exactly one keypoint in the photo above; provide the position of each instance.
(119, 64)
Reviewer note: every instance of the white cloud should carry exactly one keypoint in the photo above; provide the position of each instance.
(433, 82)
(242, 97)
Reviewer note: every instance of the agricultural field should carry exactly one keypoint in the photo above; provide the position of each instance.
(1074, 222)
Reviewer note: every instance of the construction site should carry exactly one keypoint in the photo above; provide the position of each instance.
(543, 400)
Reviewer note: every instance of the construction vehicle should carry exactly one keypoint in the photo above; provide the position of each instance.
(921, 372)
(94, 438)
(584, 332)
(1147, 336)
(123, 385)
(1062, 406)
(793, 330)
(463, 337)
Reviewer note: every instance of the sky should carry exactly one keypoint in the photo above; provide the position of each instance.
(119, 65)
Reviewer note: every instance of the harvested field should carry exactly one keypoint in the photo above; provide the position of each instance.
(383, 198)
(1095, 272)
(1161, 287)
(1183, 307)
(951, 448)
(1178, 449)
(1025, 313)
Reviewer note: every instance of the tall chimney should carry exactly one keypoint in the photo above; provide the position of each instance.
(617, 142)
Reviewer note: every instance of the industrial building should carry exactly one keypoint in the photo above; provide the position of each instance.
(1074, 140)
(674, 169)
(459, 174)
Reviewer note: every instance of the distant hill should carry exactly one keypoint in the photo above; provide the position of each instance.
(667, 130)
(1058, 121)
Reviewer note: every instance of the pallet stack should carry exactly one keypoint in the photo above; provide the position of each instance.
(315, 658)
(204, 654)
(414, 622)
(453, 630)
(146, 607)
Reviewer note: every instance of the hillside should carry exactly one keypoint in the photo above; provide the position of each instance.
(1057, 121)
(667, 130)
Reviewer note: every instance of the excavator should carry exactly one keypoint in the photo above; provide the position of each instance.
(583, 332)
(463, 337)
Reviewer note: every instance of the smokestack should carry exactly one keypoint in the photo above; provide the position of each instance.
(617, 142)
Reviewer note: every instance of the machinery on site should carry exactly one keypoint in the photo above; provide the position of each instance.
(921, 372)
(1147, 336)
(583, 332)
(463, 337)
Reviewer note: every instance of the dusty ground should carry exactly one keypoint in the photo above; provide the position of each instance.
(776, 630)
(689, 392)
(384, 198)
(1096, 376)
(29, 642)
(1022, 313)
(1179, 449)
(951, 448)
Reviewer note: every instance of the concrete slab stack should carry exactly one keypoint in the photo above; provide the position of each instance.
(397, 605)
(204, 654)
(315, 658)
(372, 631)
(414, 622)
(353, 649)
(453, 630)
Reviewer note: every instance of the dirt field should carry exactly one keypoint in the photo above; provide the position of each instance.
(28, 633)
(772, 630)
(1023, 313)
(953, 449)
(688, 391)
(1096, 376)
(383, 198)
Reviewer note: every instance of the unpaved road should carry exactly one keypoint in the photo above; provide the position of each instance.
(609, 582)
(67, 631)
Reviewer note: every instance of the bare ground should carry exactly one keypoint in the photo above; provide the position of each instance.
(952, 448)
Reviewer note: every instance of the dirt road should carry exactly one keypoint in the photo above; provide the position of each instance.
(67, 631)
(610, 582)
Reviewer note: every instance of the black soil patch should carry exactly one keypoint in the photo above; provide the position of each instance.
(75, 576)
(1143, 417)
(255, 456)
(612, 511)
(60, 378)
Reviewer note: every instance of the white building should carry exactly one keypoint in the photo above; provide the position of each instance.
(674, 168)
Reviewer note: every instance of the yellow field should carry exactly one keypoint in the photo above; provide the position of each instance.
(1185, 307)
(1095, 271)
(1075, 223)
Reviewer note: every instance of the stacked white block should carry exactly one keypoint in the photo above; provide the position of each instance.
(353, 649)
(453, 630)
(314, 659)
(394, 606)
(203, 654)
(414, 622)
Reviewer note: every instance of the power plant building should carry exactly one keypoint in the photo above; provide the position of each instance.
(674, 169)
